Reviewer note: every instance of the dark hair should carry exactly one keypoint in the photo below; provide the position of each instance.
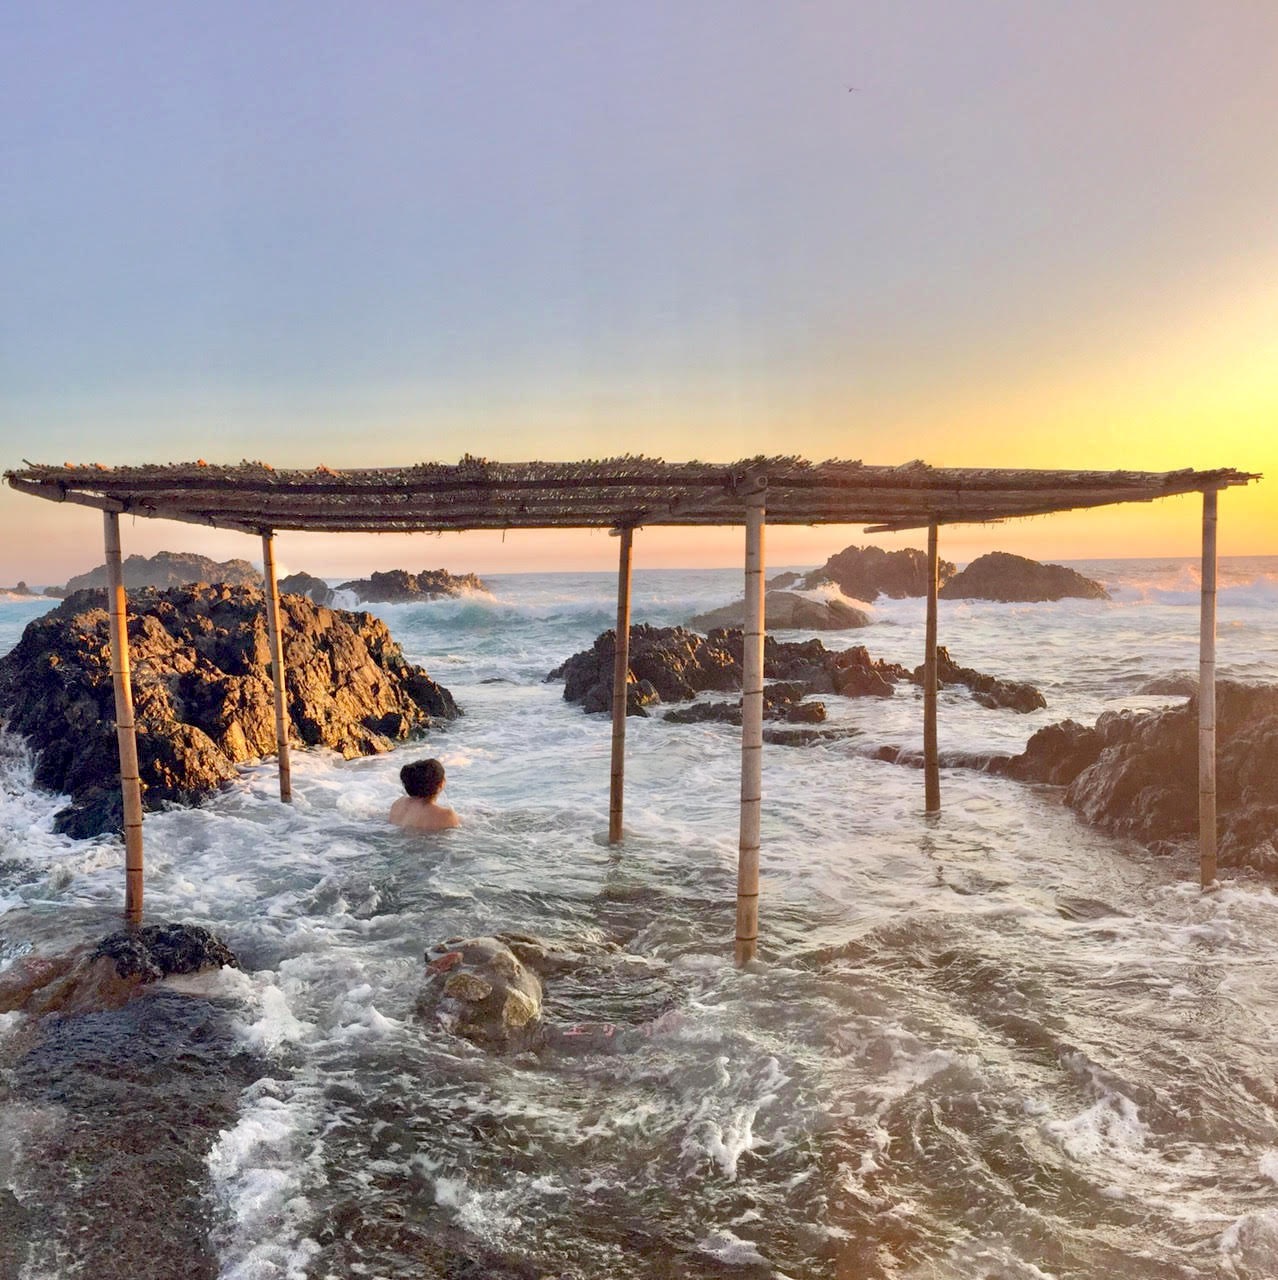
(423, 778)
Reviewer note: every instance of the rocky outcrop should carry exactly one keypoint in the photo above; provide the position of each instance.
(479, 989)
(171, 569)
(105, 977)
(398, 585)
(306, 584)
(989, 691)
(1136, 773)
(1000, 576)
(865, 573)
(787, 611)
(202, 693)
(673, 664)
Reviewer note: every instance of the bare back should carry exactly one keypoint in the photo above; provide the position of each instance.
(415, 814)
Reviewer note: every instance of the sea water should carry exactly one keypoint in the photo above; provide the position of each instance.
(992, 1043)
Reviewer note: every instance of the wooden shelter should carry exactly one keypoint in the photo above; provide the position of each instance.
(620, 494)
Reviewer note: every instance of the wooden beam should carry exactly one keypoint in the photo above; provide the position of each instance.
(620, 678)
(931, 765)
(99, 502)
(1207, 699)
(125, 733)
(271, 591)
(747, 934)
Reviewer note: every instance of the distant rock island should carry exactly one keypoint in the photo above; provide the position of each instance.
(1001, 576)
(397, 585)
(170, 569)
(21, 589)
(786, 610)
(203, 693)
(308, 585)
(865, 573)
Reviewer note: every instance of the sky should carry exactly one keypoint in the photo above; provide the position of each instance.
(996, 233)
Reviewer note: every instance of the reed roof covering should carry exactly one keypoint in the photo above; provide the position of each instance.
(614, 492)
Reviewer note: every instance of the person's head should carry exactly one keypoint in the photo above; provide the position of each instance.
(423, 778)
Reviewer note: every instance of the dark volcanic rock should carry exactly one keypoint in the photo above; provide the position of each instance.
(781, 701)
(1001, 576)
(306, 584)
(157, 951)
(864, 573)
(1136, 773)
(786, 610)
(987, 690)
(202, 693)
(396, 585)
(171, 569)
(110, 975)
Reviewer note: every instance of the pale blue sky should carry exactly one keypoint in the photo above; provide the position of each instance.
(335, 233)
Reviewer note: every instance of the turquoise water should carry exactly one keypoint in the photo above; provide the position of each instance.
(990, 1044)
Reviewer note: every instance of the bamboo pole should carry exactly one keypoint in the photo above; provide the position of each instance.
(620, 678)
(272, 593)
(751, 735)
(1207, 698)
(931, 764)
(125, 733)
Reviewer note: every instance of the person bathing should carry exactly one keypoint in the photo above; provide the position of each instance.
(417, 811)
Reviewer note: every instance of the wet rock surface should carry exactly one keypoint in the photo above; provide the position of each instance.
(202, 692)
(1002, 576)
(308, 585)
(479, 989)
(1136, 773)
(787, 610)
(112, 973)
(170, 569)
(988, 690)
(397, 585)
(673, 664)
(865, 573)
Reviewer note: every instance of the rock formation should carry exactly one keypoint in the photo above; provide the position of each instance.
(787, 610)
(987, 690)
(1001, 576)
(479, 989)
(672, 664)
(865, 573)
(398, 585)
(171, 569)
(85, 981)
(202, 693)
(306, 584)
(1136, 773)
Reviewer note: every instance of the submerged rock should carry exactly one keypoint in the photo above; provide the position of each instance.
(787, 610)
(202, 691)
(111, 973)
(170, 569)
(399, 585)
(1136, 773)
(479, 989)
(865, 573)
(1002, 576)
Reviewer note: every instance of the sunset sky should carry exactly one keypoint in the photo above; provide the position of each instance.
(987, 233)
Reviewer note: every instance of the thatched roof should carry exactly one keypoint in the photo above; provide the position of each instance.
(614, 492)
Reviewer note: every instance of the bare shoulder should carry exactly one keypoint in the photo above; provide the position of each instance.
(449, 818)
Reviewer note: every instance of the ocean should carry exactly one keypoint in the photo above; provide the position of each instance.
(993, 1043)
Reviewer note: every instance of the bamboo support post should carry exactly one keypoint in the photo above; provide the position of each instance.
(272, 593)
(751, 735)
(125, 733)
(1207, 698)
(620, 679)
(931, 765)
